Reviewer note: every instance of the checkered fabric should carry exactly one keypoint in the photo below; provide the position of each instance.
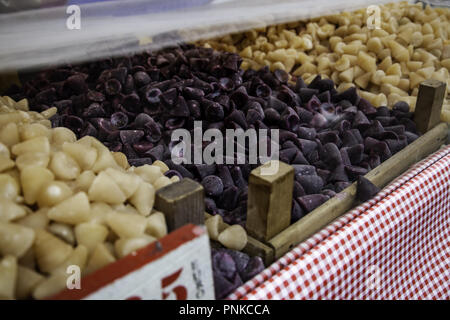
(395, 246)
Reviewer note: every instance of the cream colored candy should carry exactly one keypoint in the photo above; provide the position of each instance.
(156, 225)
(162, 182)
(84, 180)
(64, 166)
(8, 275)
(100, 257)
(53, 193)
(85, 156)
(73, 210)
(127, 182)
(150, 173)
(15, 239)
(62, 231)
(9, 187)
(35, 220)
(213, 225)
(27, 280)
(29, 159)
(105, 189)
(33, 179)
(9, 210)
(38, 144)
(143, 198)
(50, 251)
(124, 247)
(233, 237)
(90, 234)
(126, 225)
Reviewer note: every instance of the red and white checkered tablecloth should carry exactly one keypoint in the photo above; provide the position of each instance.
(395, 246)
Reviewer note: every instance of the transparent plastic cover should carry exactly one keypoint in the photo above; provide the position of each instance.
(91, 30)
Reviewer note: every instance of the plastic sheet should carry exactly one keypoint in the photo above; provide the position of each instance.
(40, 38)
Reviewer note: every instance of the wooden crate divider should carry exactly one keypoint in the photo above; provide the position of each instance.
(181, 202)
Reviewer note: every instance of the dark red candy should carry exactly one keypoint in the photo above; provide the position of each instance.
(76, 83)
(301, 169)
(307, 146)
(153, 95)
(360, 121)
(254, 266)
(330, 137)
(130, 136)
(401, 106)
(328, 192)
(287, 155)
(354, 171)
(398, 129)
(306, 133)
(331, 155)
(411, 136)
(350, 95)
(298, 189)
(311, 201)
(341, 185)
(345, 158)
(204, 170)
(383, 111)
(324, 174)
(141, 78)
(299, 158)
(228, 199)
(338, 174)
(366, 190)
(375, 128)
(310, 183)
(156, 153)
(307, 93)
(355, 153)
(112, 87)
(210, 206)
(366, 107)
(349, 139)
(318, 121)
(395, 145)
(213, 186)
(119, 120)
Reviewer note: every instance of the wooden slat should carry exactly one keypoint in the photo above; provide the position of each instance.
(429, 104)
(269, 200)
(181, 202)
(345, 200)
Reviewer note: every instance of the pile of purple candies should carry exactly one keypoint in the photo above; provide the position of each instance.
(134, 103)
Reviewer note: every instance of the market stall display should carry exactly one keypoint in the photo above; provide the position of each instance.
(98, 167)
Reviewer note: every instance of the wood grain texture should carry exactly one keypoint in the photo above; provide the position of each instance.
(346, 200)
(269, 200)
(181, 202)
(429, 104)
